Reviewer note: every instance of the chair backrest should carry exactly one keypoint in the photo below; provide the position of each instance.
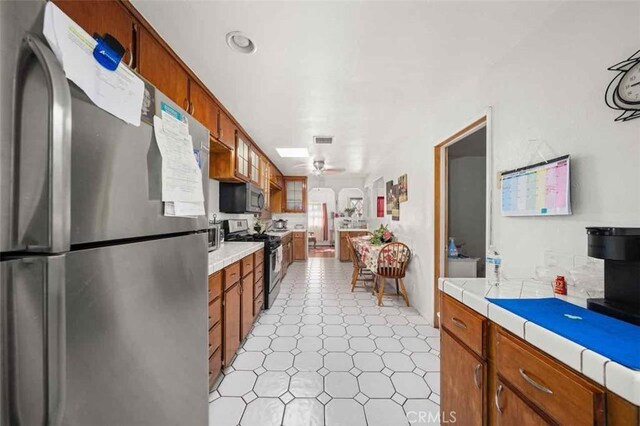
(393, 260)
(352, 251)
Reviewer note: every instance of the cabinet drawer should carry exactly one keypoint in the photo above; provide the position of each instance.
(215, 285)
(258, 273)
(299, 235)
(215, 312)
(463, 323)
(215, 365)
(258, 258)
(247, 265)
(257, 304)
(231, 275)
(215, 338)
(258, 286)
(558, 391)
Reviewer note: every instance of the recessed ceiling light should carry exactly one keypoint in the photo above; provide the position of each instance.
(240, 42)
(293, 152)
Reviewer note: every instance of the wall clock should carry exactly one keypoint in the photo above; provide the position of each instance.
(623, 92)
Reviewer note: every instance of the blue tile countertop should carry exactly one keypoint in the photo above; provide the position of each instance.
(474, 292)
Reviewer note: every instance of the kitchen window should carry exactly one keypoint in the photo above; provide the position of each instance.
(358, 205)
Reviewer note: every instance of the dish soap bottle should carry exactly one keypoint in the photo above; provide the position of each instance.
(453, 250)
(494, 263)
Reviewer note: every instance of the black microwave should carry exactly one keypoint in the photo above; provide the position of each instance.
(240, 198)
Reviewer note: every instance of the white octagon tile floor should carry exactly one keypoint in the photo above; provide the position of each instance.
(323, 355)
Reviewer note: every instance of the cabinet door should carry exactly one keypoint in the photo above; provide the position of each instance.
(462, 382)
(231, 324)
(242, 158)
(102, 17)
(203, 108)
(512, 410)
(254, 166)
(227, 130)
(158, 66)
(295, 189)
(299, 246)
(345, 254)
(247, 305)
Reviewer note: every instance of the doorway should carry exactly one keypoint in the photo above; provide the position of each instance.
(321, 211)
(462, 200)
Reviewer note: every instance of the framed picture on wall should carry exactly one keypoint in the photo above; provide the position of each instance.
(389, 195)
(395, 207)
(403, 191)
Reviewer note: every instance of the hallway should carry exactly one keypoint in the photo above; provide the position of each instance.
(325, 355)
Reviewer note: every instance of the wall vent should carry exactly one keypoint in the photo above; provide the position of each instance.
(323, 140)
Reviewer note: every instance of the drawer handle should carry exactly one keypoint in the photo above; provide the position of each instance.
(497, 398)
(458, 323)
(533, 383)
(476, 379)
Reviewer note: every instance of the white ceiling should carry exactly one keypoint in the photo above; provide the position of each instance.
(367, 73)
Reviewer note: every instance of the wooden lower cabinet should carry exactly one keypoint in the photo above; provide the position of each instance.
(462, 382)
(299, 245)
(246, 290)
(516, 383)
(512, 410)
(231, 324)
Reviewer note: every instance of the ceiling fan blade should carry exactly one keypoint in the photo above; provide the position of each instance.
(335, 169)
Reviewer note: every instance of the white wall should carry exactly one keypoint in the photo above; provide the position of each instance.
(467, 194)
(550, 86)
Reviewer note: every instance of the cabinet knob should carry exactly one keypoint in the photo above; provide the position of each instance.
(458, 323)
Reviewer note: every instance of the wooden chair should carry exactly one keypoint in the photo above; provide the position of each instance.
(360, 270)
(392, 263)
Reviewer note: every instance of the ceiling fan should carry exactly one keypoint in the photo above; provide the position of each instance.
(320, 168)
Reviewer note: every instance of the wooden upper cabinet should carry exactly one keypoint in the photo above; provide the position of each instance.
(242, 157)
(226, 130)
(203, 108)
(158, 66)
(99, 16)
(295, 194)
(254, 166)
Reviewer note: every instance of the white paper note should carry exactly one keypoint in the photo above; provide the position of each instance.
(184, 208)
(118, 92)
(181, 176)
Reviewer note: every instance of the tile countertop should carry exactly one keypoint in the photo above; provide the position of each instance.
(352, 229)
(285, 233)
(472, 292)
(230, 252)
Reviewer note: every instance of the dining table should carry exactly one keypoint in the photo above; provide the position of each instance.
(369, 252)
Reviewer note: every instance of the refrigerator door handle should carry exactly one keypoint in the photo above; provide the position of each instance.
(55, 352)
(59, 142)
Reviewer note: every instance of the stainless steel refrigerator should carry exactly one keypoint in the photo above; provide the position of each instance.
(103, 299)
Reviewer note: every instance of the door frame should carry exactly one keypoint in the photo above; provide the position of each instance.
(440, 199)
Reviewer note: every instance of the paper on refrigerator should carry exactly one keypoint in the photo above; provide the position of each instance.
(118, 92)
(182, 189)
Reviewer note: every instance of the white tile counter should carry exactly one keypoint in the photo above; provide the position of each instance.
(472, 292)
(283, 234)
(230, 252)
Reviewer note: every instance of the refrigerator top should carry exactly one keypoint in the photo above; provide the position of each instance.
(114, 187)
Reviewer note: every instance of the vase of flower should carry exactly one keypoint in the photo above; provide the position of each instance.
(382, 235)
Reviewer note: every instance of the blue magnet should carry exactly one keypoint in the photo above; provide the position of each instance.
(109, 56)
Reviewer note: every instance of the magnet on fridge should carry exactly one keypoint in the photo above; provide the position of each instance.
(108, 51)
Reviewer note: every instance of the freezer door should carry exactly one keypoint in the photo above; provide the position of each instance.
(32, 325)
(116, 180)
(137, 351)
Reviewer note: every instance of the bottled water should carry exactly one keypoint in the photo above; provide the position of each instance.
(494, 263)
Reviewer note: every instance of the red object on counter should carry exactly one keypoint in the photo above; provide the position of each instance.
(560, 286)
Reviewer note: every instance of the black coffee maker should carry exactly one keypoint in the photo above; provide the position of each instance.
(620, 249)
